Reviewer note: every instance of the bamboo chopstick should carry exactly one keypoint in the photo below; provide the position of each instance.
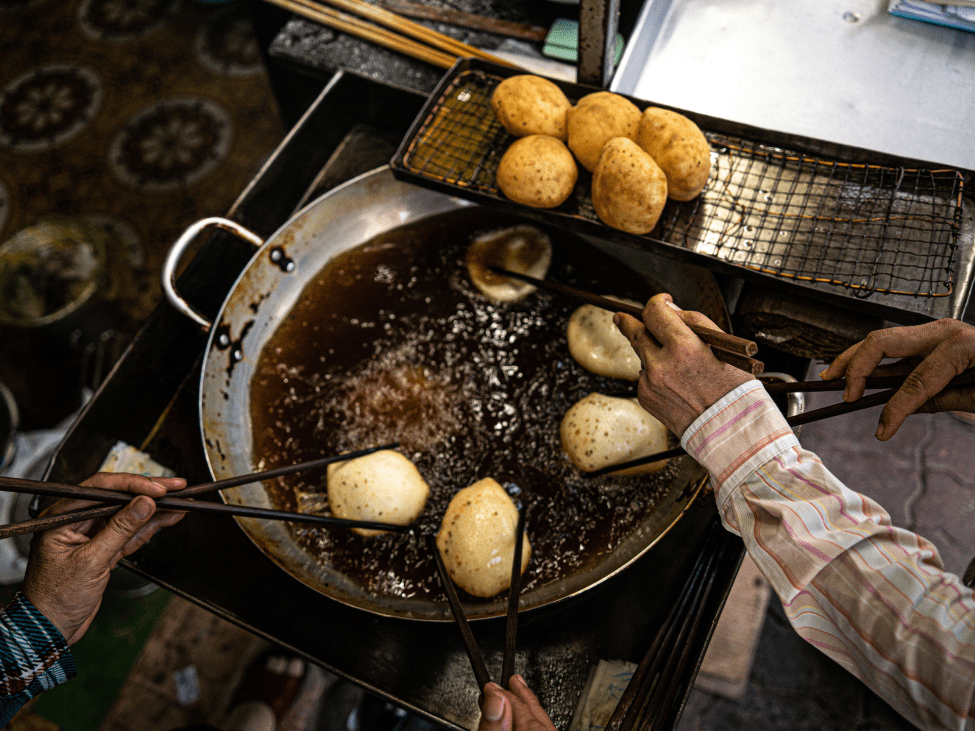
(415, 30)
(511, 626)
(473, 653)
(728, 348)
(356, 27)
(117, 499)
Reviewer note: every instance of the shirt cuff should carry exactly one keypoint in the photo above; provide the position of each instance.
(34, 655)
(737, 435)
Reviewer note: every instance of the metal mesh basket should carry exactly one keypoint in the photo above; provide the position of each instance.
(866, 227)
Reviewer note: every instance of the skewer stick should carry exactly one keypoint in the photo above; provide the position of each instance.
(360, 29)
(726, 346)
(473, 653)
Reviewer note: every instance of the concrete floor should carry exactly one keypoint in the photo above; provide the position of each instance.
(925, 479)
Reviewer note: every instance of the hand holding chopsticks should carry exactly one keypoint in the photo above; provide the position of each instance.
(115, 500)
(511, 627)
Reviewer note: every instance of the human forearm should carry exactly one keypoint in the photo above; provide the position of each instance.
(873, 597)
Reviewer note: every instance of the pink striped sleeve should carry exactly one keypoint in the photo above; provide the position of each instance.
(872, 596)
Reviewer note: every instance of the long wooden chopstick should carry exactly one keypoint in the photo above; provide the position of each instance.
(472, 21)
(511, 626)
(728, 348)
(473, 653)
(965, 378)
(416, 30)
(366, 31)
(116, 500)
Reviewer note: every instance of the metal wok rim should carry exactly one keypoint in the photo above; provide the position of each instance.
(269, 538)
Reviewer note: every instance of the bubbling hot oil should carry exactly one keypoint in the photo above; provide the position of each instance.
(392, 342)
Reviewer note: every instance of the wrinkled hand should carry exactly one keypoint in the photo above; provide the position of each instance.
(516, 709)
(932, 353)
(68, 567)
(681, 377)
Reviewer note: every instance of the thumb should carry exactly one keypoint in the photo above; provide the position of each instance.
(111, 540)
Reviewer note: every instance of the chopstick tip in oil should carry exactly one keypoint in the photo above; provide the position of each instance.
(716, 338)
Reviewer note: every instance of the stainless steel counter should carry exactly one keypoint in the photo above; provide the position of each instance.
(844, 71)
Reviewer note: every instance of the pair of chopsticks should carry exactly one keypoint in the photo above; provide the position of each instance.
(116, 500)
(388, 30)
(651, 696)
(511, 626)
(726, 347)
(891, 383)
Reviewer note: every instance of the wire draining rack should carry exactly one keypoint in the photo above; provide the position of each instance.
(880, 233)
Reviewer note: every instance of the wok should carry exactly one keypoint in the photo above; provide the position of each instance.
(268, 289)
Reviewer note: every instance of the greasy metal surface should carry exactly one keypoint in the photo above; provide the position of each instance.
(840, 70)
(267, 290)
(598, 20)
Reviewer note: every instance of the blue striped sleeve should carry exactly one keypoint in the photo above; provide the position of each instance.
(34, 656)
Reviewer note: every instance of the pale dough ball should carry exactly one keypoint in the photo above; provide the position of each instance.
(537, 171)
(477, 539)
(522, 249)
(600, 431)
(629, 190)
(383, 486)
(531, 105)
(679, 147)
(595, 120)
(598, 345)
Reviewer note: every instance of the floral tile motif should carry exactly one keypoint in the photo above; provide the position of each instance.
(123, 20)
(48, 106)
(226, 44)
(171, 144)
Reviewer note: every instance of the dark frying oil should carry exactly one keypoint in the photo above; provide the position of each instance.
(392, 342)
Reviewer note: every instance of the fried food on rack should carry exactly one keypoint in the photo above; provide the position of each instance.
(531, 105)
(629, 190)
(537, 171)
(679, 147)
(595, 120)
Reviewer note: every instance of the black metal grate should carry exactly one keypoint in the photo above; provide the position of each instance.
(866, 227)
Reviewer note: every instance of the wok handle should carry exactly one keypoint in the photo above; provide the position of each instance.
(176, 253)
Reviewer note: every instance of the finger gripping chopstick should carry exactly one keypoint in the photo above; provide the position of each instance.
(724, 343)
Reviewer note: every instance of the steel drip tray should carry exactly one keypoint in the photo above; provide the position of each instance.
(853, 226)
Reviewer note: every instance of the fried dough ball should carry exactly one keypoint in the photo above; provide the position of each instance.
(522, 249)
(537, 171)
(601, 431)
(383, 486)
(679, 147)
(598, 345)
(531, 105)
(629, 190)
(477, 539)
(595, 120)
